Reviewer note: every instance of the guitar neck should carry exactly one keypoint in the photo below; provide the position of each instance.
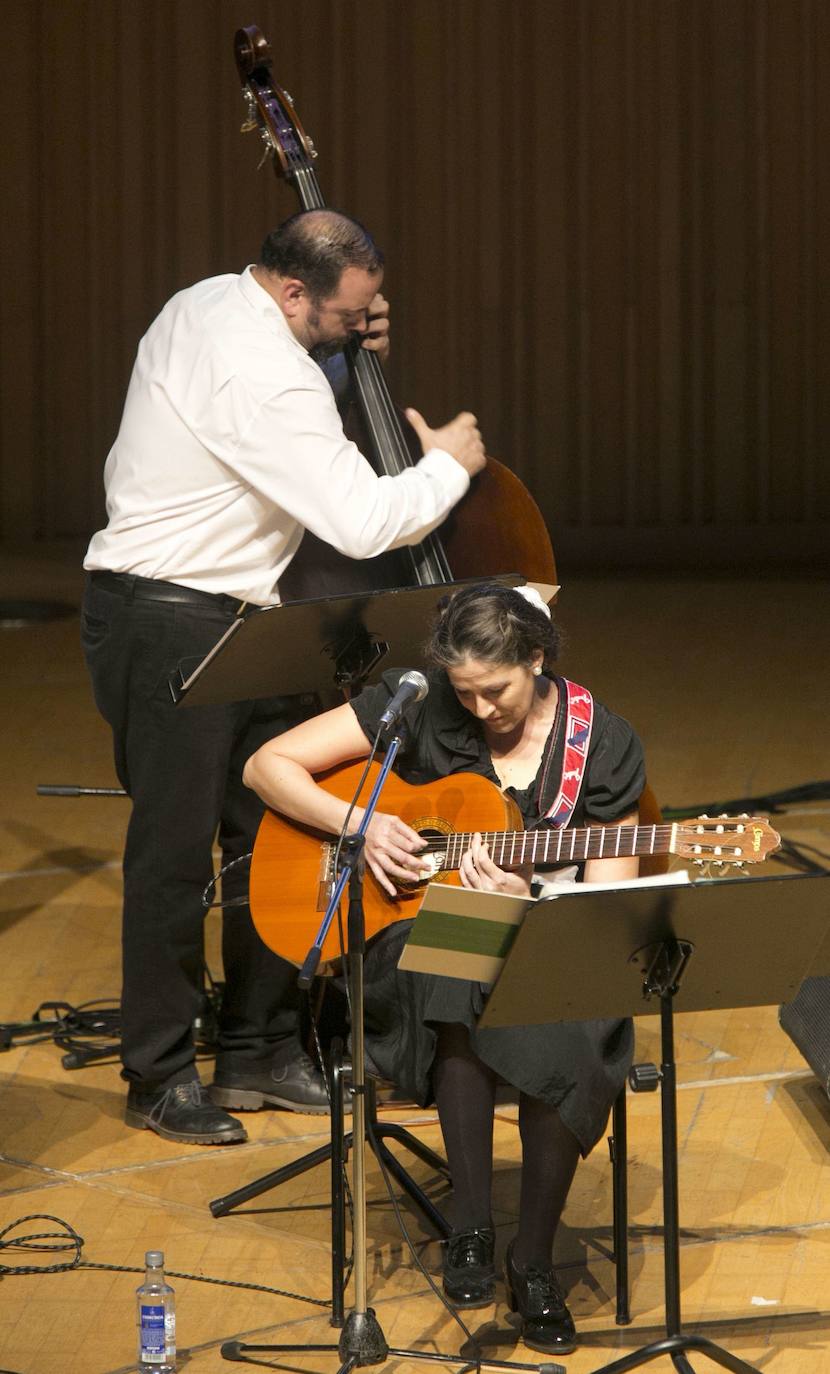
(513, 848)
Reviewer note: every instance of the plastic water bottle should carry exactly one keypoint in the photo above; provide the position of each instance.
(156, 1319)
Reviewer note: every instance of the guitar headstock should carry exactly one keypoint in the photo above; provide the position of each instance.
(270, 108)
(724, 840)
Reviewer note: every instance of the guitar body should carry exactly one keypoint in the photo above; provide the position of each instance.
(291, 874)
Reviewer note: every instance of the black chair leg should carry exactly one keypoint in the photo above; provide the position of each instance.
(618, 1143)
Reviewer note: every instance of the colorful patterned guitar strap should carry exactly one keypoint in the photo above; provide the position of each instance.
(579, 722)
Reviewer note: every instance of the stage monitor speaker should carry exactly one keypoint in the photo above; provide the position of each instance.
(807, 1022)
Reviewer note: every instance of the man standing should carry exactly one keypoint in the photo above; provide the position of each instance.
(230, 446)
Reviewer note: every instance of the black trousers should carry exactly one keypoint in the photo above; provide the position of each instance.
(182, 767)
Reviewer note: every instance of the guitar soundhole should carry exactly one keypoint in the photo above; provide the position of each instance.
(432, 828)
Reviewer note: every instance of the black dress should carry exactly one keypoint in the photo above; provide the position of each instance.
(577, 1066)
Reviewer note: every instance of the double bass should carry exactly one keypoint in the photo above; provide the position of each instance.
(497, 527)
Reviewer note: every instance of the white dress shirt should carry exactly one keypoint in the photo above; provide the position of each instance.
(231, 445)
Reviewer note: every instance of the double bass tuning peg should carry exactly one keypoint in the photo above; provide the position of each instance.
(251, 121)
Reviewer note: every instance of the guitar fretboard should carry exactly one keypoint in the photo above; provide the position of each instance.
(512, 848)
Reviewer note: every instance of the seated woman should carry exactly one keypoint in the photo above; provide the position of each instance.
(494, 708)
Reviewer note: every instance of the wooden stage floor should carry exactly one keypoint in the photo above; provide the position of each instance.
(727, 682)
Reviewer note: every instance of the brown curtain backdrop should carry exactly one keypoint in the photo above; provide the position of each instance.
(606, 224)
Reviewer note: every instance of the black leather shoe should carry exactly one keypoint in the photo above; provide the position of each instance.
(295, 1084)
(469, 1271)
(547, 1324)
(184, 1113)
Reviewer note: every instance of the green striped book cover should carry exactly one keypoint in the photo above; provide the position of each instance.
(463, 934)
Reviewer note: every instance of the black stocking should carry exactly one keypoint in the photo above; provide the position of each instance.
(550, 1154)
(465, 1093)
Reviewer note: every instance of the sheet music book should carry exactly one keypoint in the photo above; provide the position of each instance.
(461, 933)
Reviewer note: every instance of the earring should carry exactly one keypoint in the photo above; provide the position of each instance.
(537, 668)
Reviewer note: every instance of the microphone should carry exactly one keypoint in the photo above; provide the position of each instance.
(412, 687)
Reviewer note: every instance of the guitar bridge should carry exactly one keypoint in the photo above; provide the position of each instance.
(325, 876)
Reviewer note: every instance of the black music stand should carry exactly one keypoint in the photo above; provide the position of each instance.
(315, 646)
(714, 943)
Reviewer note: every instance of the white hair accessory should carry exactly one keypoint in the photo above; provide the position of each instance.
(530, 594)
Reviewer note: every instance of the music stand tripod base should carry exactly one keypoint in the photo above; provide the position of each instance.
(239, 1350)
(704, 945)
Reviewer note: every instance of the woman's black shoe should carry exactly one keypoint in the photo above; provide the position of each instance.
(535, 1294)
(469, 1271)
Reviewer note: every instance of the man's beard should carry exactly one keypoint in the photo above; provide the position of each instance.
(321, 351)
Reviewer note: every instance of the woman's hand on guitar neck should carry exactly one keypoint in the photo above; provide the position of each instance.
(391, 851)
(477, 870)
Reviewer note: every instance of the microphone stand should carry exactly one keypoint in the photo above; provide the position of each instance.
(362, 1341)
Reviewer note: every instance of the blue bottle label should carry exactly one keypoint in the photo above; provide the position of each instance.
(152, 1332)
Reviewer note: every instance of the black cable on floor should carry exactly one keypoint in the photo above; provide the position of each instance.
(91, 1032)
(68, 1239)
(71, 1028)
(794, 853)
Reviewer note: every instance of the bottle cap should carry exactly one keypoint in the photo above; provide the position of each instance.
(154, 1259)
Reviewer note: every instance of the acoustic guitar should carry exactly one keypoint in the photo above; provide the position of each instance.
(292, 869)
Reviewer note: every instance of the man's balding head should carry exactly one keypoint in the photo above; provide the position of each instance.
(316, 246)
